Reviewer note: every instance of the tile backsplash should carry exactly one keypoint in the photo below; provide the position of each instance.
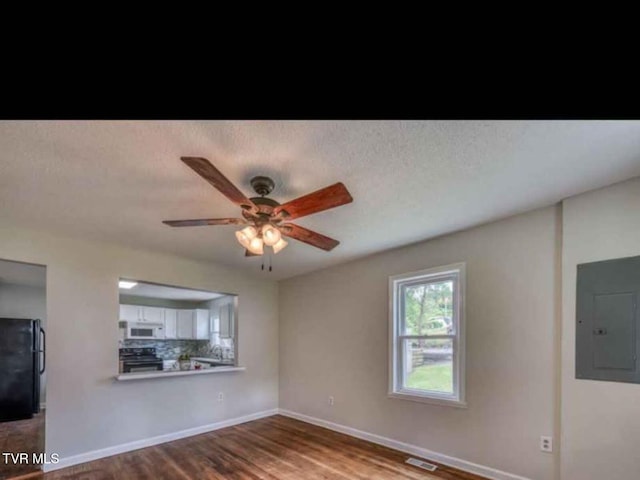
(172, 349)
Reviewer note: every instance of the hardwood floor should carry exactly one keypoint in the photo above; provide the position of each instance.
(21, 436)
(272, 448)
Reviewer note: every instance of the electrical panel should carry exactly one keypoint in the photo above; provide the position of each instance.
(607, 341)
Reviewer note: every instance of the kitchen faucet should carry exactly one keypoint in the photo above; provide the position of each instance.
(217, 352)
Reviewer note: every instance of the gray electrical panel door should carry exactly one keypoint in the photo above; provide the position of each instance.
(607, 341)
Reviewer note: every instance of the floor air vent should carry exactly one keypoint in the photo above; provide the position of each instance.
(422, 464)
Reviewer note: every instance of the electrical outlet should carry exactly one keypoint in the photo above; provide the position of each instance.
(546, 444)
(331, 401)
(220, 397)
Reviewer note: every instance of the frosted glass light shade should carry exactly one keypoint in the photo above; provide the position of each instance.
(280, 245)
(245, 236)
(270, 235)
(256, 246)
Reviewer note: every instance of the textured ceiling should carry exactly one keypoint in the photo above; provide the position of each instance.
(117, 181)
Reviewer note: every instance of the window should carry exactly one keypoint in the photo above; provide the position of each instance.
(426, 355)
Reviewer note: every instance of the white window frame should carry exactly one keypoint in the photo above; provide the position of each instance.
(456, 272)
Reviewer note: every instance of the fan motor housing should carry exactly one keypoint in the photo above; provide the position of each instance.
(262, 186)
(265, 208)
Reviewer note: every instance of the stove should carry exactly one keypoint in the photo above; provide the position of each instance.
(139, 360)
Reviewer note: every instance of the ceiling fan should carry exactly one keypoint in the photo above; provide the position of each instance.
(267, 221)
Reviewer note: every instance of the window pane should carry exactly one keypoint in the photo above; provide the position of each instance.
(428, 365)
(428, 309)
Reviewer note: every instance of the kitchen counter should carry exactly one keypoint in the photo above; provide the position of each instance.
(176, 373)
(211, 360)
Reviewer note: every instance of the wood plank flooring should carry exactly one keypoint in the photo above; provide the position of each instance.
(273, 448)
(21, 436)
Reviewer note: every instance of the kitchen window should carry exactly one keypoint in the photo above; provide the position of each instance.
(426, 333)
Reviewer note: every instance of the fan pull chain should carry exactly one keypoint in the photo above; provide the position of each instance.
(270, 267)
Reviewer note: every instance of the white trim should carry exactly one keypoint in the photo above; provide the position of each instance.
(459, 378)
(148, 442)
(454, 462)
(432, 399)
(178, 373)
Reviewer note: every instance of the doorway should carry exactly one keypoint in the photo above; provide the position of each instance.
(23, 379)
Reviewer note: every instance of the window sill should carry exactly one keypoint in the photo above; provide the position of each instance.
(178, 373)
(443, 402)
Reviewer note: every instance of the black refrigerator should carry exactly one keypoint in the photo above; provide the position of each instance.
(22, 361)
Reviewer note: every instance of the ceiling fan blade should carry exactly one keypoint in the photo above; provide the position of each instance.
(204, 221)
(308, 236)
(323, 199)
(211, 174)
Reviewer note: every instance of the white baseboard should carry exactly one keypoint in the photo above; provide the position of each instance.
(454, 462)
(148, 442)
(458, 463)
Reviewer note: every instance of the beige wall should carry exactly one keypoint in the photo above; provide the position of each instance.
(600, 420)
(333, 341)
(23, 301)
(86, 408)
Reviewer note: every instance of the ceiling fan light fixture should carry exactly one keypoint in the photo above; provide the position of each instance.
(264, 215)
(270, 235)
(279, 245)
(245, 236)
(256, 246)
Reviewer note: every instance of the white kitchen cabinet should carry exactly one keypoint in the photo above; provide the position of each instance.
(152, 314)
(130, 313)
(226, 320)
(178, 323)
(186, 323)
(202, 324)
(170, 323)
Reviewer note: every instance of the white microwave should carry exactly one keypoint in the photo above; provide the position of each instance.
(143, 331)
